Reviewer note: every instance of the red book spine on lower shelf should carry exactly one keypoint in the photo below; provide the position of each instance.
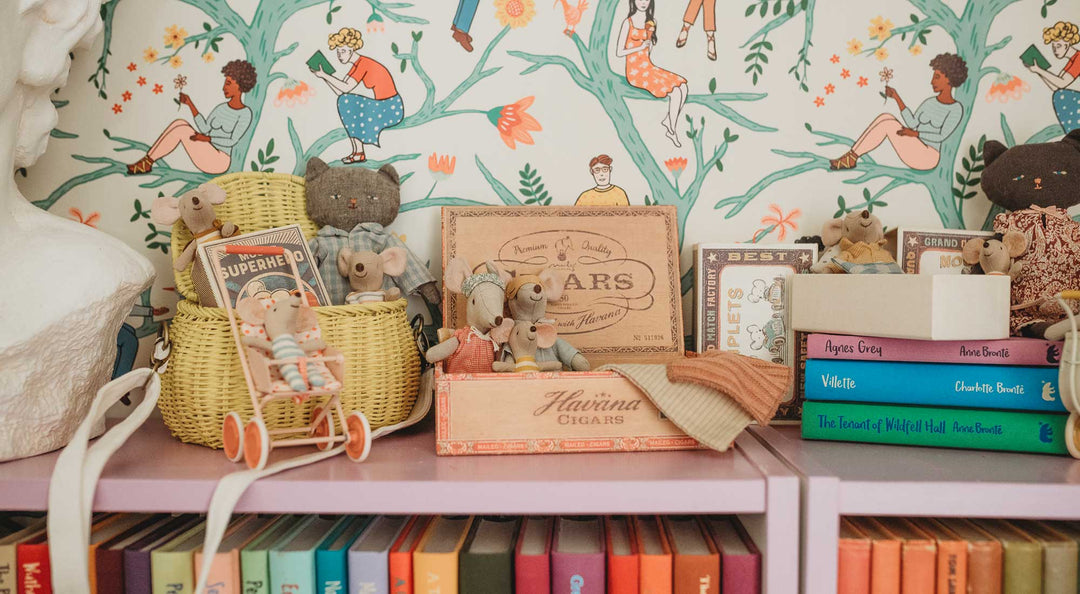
(34, 574)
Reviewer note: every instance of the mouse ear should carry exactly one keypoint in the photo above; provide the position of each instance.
(831, 231)
(1015, 242)
(546, 335)
(165, 210)
(501, 333)
(457, 270)
(553, 282)
(343, 261)
(213, 193)
(251, 310)
(971, 250)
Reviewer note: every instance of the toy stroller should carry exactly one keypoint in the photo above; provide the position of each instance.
(286, 329)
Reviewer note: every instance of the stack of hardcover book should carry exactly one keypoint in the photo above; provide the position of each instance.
(976, 394)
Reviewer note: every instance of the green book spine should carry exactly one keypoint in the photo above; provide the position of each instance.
(172, 572)
(255, 571)
(1042, 433)
(1023, 567)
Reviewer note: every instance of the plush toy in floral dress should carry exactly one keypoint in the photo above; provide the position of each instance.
(636, 40)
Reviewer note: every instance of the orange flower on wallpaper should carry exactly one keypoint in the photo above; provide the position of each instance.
(90, 220)
(1006, 87)
(514, 13)
(881, 54)
(176, 62)
(375, 26)
(819, 101)
(854, 46)
(149, 54)
(880, 28)
(514, 123)
(293, 92)
(208, 57)
(676, 165)
(781, 221)
(441, 166)
(175, 36)
(915, 50)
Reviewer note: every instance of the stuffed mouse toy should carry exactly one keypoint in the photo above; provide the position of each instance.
(996, 255)
(527, 297)
(367, 271)
(524, 340)
(472, 349)
(856, 238)
(196, 209)
(1037, 183)
(353, 206)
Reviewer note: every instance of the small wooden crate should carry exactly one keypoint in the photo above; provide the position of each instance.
(553, 412)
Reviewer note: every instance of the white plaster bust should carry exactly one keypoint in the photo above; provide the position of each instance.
(66, 287)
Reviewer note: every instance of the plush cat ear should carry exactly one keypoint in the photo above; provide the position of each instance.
(546, 335)
(212, 193)
(315, 168)
(831, 231)
(165, 210)
(394, 261)
(501, 333)
(251, 310)
(553, 282)
(457, 270)
(992, 149)
(343, 261)
(1015, 242)
(389, 171)
(972, 249)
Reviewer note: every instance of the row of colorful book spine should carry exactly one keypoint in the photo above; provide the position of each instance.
(949, 555)
(987, 395)
(308, 554)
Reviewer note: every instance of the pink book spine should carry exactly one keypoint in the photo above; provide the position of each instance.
(1012, 351)
(741, 574)
(532, 574)
(578, 573)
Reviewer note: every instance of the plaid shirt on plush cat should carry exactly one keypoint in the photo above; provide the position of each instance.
(363, 237)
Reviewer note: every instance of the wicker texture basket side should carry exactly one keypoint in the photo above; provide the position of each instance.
(254, 201)
(204, 381)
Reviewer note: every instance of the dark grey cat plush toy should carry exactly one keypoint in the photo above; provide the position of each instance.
(1037, 183)
(353, 206)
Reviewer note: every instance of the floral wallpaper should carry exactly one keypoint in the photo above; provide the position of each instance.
(758, 119)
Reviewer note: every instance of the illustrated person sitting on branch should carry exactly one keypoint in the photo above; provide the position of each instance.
(1061, 38)
(209, 142)
(917, 139)
(364, 117)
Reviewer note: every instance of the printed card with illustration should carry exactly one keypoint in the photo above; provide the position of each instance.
(622, 302)
(741, 302)
(935, 251)
(247, 275)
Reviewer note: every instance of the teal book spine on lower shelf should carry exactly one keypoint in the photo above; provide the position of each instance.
(934, 384)
(1040, 433)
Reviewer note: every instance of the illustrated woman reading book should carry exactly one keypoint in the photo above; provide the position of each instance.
(208, 143)
(917, 135)
(1062, 38)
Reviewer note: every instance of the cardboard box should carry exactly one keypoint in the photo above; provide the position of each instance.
(537, 413)
(917, 306)
(623, 298)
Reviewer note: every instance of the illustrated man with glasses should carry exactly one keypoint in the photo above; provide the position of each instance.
(605, 193)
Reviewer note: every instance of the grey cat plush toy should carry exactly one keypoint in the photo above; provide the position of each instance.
(353, 206)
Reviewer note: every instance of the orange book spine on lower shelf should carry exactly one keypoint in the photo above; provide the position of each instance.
(853, 576)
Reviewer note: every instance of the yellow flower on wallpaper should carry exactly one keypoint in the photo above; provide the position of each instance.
(149, 54)
(854, 47)
(881, 54)
(515, 13)
(175, 36)
(915, 50)
(176, 62)
(208, 57)
(880, 28)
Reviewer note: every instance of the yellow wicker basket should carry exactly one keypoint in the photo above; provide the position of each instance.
(203, 381)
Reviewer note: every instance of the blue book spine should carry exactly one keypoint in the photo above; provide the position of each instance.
(331, 572)
(934, 384)
(369, 572)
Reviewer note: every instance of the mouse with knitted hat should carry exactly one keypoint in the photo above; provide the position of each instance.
(472, 348)
(527, 296)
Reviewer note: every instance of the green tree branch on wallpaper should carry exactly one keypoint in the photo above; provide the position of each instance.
(780, 11)
(969, 32)
(596, 77)
(258, 40)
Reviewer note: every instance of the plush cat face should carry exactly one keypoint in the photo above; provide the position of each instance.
(1033, 174)
(344, 197)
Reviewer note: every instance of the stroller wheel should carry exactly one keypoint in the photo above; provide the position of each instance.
(232, 434)
(256, 444)
(325, 428)
(358, 445)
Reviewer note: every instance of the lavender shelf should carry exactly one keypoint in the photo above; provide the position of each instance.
(154, 472)
(842, 479)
